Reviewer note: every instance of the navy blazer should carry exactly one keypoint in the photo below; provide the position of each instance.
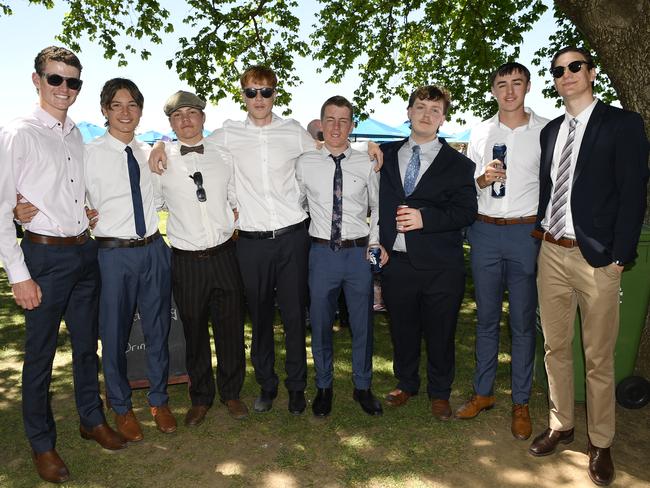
(608, 193)
(446, 197)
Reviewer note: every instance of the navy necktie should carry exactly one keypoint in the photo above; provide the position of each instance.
(136, 195)
(412, 171)
(337, 204)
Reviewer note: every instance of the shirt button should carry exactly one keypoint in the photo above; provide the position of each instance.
(75, 201)
(71, 181)
(78, 221)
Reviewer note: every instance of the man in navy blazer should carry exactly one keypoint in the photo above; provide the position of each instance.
(593, 183)
(424, 283)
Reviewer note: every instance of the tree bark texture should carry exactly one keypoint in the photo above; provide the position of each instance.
(619, 31)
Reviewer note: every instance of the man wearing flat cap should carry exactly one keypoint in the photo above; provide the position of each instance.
(198, 191)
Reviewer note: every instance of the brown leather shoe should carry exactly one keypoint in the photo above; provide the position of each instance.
(164, 418)
(128, 426)
(441, 409)
(50, 466)
(237, 409)
(546, 442)
(195, 415)
(397, 398)
(475, 405)
(521, 427)
(601, 466)
(104, 436)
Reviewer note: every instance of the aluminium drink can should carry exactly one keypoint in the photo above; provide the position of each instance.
(374, 254)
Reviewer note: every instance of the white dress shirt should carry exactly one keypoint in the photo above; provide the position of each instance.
(315, 173)
(109, 189)
(42, 159)
(562, 136)
(265, 170)
(522, 161)
(195, 225)
(428, 152)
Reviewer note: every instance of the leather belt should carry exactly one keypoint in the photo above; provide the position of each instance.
(360, 242)
(204, 253)
(531, 219)
(545, 236)
(270, 234)
(116, 242)
(58, 241)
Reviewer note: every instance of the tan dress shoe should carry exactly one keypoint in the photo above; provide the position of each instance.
(50, 466)
(475, 405)
(196, 415)
(128, 426)
(546, 442)
(521, 427)
(104, 436)
(165, 420)
(601, 466)
(441, 409)
(397, 398)
(237, 409)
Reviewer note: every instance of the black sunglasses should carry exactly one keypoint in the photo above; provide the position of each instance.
(200, 191)
(266, 92)
(574, 67)
(56, 80)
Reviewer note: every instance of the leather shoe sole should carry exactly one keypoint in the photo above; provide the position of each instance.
(50, 466)
(104, 436)
(196, 415)
(546, 442)
(237, 409)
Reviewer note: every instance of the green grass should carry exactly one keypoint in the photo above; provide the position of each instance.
(404, 447)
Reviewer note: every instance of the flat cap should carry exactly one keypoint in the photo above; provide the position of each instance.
(182, 99)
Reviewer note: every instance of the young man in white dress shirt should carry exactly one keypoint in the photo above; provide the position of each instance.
(55, 274)
(198, 190)
(338, 257)
(133, 258)
(504, 254)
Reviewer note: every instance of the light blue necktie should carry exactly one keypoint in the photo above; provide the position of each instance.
(412, 171)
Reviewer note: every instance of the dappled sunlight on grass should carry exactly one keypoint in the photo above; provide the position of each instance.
(279, 480)
(482, 443)
(230, 468)
(357, 442)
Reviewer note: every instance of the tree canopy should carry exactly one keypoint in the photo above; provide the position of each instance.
(394, 46)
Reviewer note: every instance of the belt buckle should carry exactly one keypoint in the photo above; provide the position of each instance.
(136, 242)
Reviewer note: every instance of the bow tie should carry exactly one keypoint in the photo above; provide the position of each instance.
(189, 149)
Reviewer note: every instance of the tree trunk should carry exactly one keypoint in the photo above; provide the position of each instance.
(619, 31)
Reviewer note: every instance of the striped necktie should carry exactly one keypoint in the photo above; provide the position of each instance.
(557, 222)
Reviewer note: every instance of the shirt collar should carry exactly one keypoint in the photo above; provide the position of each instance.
(51, 122)
(427, 146)
(326, 152)
(249, 123)
(533, 121)
(582, 117)
(116, 143)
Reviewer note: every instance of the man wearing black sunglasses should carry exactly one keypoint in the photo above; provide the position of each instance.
(198, 190)
(54, 272)
(593, 179)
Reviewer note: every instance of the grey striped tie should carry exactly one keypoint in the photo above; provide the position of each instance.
(557, 223)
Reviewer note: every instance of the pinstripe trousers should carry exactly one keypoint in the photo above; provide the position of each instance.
(209, 287)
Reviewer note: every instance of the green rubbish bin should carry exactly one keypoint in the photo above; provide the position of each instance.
(634, 298)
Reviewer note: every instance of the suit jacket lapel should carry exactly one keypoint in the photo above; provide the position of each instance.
(589, 138)
(550, 147)
(391, 163)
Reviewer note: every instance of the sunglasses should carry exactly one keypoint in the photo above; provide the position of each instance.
(56, 80)
(200, 191)
(266, 92)
(574, 67)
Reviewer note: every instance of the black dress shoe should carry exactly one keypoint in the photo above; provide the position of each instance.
(297, 402)
(368, 402)
(601, 466)
(545, 443)
(264, 402)
(322, 405)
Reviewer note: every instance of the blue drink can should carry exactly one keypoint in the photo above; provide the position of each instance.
(499, 152)
(374, 254)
